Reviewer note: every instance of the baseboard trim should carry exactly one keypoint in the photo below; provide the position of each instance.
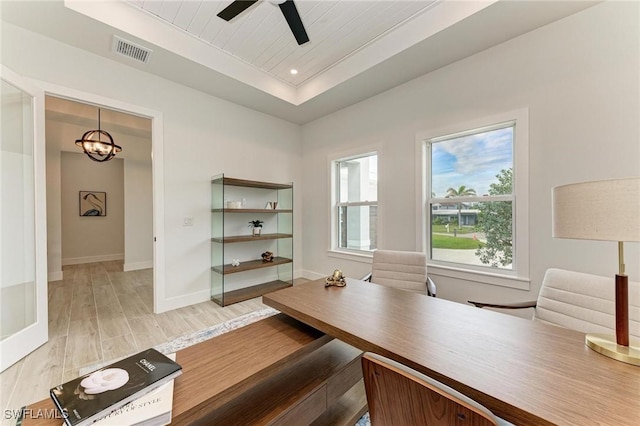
(135, 266)
(171, 303)
(55, 276)
(92, 259)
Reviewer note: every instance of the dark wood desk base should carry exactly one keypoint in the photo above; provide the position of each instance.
(275, 371)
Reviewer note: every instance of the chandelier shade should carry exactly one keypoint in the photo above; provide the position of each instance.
(98, 144)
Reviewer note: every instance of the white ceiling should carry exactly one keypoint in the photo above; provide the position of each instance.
(261, 37)
(358, 48)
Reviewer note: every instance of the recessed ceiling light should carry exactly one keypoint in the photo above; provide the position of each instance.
(293, 71)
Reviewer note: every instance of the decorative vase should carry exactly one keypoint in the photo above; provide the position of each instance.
(257, 230)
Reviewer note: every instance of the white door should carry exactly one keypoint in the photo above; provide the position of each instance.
(23, 261)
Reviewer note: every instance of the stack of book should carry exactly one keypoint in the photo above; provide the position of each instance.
(137, 390)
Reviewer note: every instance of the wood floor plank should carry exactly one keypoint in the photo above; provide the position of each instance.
(83, 350)
(83, 302)
(83, 291)
(117, 276)
(189, 310)
(102, 279)
(146, 295)
(112, 322)
(119, 347)
(82, 310)
(105, 295)
(132, 306)
(68, 375)
(146, 332)
(8, 382)
(41, 368)
(172, 324)
(59, 309)
(204, 320)
(123, 287)
(83, 327)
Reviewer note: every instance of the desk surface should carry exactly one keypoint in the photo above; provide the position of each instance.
(524, 371)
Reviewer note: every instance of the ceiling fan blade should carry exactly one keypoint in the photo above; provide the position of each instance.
(235, 9)
(292, 16)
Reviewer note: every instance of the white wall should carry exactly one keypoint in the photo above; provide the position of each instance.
(138, 201)
(91, 239)
(579, 79)
(203, 135)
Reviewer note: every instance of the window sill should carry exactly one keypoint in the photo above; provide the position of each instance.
(356, 256)
(502, 280)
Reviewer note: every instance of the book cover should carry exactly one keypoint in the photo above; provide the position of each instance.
(153, 409)
(87, 398)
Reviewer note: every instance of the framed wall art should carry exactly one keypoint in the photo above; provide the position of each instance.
(93, 203)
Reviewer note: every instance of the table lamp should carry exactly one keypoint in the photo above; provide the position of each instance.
(607, 210)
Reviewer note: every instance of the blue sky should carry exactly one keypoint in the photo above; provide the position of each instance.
(473, 160)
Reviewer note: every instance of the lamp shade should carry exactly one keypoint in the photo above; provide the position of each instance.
(606, 210)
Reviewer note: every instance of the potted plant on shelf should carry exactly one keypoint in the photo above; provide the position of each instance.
(257, 227)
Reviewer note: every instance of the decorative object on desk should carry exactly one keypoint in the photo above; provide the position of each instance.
(235, 262)
(87, 398)
(95, 147)
(93, 203)
(274, 204)
(607, 210)
(268, 205)
(336, 280)
(152, 409)
(257, 227)
(267, 256)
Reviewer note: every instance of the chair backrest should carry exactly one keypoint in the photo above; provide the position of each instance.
(584, 302)
(400, 269)
(399, 395)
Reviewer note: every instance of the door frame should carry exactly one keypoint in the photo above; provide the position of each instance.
(18, 345)
(157, 168)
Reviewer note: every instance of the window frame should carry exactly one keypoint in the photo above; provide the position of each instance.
(334, 249)
(518, 277)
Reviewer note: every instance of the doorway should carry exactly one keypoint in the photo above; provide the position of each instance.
(123, 230)
(157, 154)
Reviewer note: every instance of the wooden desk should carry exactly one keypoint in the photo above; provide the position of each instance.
(524, 371)
(275, 371)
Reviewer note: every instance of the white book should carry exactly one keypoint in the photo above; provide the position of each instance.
(130, 388)
(153, 409)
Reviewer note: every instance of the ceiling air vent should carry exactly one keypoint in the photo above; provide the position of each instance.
(131, 50)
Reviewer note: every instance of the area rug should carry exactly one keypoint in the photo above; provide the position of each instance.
(213, 331)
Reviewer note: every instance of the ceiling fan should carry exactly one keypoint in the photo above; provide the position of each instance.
(288, 8)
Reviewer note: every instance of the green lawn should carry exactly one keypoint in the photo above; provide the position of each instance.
(442, 229)
(446, 242)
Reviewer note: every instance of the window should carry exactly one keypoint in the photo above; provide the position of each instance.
(355, 203)
(471, 219)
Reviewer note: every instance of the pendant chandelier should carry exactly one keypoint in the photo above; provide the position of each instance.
(98, 144)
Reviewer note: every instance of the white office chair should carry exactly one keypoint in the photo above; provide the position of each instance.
(399, 395)
(406, 270)
(579, 301)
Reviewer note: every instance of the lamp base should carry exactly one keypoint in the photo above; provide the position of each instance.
(607, 346)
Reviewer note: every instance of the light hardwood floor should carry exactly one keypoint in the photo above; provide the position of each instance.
(96, 314)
